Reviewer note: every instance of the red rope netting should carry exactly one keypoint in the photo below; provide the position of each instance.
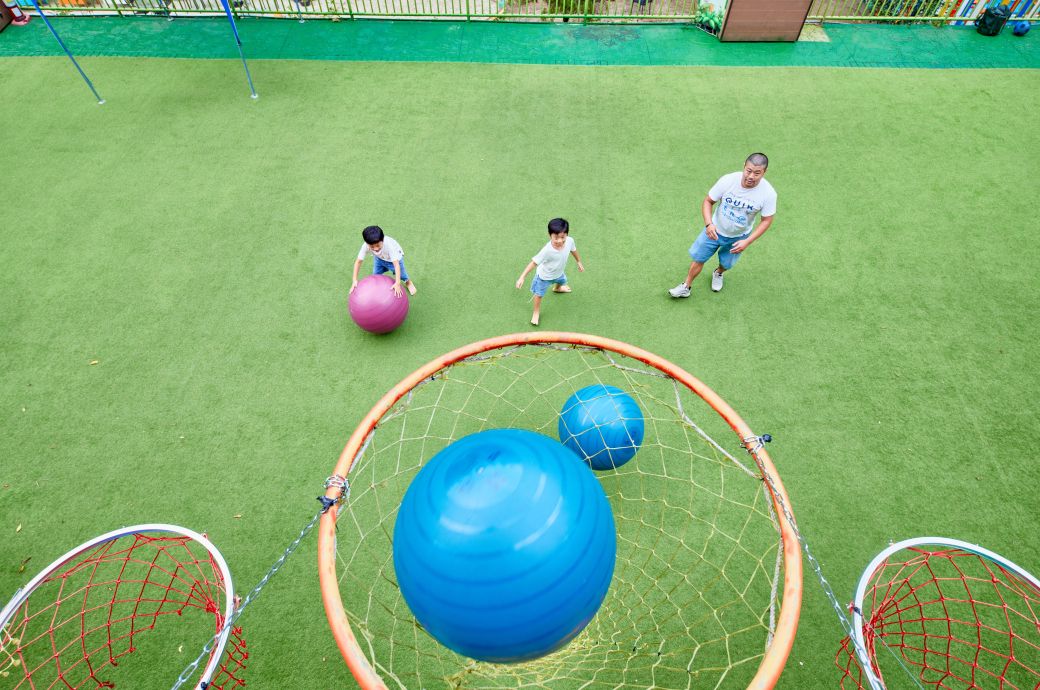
(951, 619)
(91, 610)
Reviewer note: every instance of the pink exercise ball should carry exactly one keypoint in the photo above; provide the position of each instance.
(375, 307)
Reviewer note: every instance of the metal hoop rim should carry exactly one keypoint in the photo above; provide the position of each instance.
(25, 592)
(861, 587)
(776, 655)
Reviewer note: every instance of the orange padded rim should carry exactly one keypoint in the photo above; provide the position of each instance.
(787, 623)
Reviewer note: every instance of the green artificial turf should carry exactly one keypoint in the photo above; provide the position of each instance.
(197, 246)
(835, 45)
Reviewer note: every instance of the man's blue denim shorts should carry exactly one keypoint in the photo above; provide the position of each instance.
(704, 247)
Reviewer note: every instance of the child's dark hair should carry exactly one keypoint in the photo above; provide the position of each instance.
(558, 225)
(372, 234)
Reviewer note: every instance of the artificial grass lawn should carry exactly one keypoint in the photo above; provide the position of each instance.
(574, 43)
(198, 245)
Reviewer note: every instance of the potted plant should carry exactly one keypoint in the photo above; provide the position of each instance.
(709, 18)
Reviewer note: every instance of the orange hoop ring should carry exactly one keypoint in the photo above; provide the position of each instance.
(787, 622)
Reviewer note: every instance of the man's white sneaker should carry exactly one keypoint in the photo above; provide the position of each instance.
(716, 281)
(680, 290)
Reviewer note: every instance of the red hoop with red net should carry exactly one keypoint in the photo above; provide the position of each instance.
(942, 613)
(74, 624)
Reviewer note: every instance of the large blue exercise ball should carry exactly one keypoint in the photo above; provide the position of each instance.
(603, 425)
(504, 546)
(1021, 28)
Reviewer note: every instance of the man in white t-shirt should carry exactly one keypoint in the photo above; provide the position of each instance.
(551, 262)
(741, 196)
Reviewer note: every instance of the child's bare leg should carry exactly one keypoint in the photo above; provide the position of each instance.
(411, 286)
(537, 309)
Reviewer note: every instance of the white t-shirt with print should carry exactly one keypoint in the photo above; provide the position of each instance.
(737, 206)
(390, 251)
(551, 262)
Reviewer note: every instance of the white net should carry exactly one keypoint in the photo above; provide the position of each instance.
(694, 597)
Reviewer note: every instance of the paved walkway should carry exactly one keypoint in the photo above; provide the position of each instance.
(522, 43)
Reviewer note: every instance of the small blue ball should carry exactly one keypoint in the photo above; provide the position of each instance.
(504, 546)
(1021, 28)
(603, 425)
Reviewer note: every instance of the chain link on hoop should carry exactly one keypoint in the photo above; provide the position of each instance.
(752, 444)
(335, 481)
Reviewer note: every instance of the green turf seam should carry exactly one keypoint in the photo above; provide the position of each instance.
(518, 43)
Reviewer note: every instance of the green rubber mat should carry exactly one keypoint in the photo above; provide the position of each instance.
(519, 43)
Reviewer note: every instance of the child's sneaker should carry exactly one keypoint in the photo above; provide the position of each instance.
(680, 290)
(716, 281)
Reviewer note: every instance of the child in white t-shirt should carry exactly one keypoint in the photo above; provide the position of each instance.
(552, 263)
(388, 257)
